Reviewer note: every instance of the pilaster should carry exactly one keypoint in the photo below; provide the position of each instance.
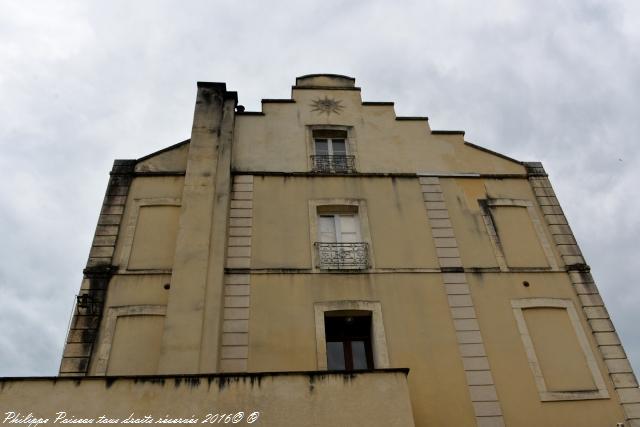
(234, 350)
(190, 279)
(482, 390)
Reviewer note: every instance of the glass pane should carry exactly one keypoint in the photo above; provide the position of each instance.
(359, 355)
(322, 147)
(335, 356)
(327, 229)
(349, 229)
(339, 147)
(348, 223)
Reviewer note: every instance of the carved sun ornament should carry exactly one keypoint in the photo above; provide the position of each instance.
(326, 105)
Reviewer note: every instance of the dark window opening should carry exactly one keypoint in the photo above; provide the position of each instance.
(348, 342)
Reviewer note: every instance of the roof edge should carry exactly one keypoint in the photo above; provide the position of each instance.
(341, 76)
(495, 153)
(169, 148)
(295, 87)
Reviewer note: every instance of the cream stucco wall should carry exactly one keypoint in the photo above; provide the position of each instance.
(514, 379)
(170, 159)
(280, 140)
(313, 399)
(418, 327)
(148, 191)
(281, 224)
(141, 284)
(462, 196)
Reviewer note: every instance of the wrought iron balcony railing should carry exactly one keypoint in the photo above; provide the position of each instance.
(343, 256)
(333, 164)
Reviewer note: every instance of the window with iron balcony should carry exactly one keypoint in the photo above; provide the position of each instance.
(331, 152)
(340, 245)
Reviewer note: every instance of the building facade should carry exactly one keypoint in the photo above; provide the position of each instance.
(322, 246)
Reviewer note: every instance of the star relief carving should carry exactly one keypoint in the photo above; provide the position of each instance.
(327, 105)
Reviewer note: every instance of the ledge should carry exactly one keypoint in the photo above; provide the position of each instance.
(447, 132)
(411, 118)
(381, 174)
(321, 174)
(283, 399)
(578, 267)
(160, 173)
(395, 270)
(143, 378)
(249, 113)
(325, 88)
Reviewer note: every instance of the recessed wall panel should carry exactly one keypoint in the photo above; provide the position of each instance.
(155, 238)
(136, 345)
(520, 243)
(562, 361)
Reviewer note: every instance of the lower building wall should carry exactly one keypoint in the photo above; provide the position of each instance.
(571, 398)
(417, 325)
(375, 398)
(419, 334)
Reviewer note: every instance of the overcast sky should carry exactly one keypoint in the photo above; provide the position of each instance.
(83, 83)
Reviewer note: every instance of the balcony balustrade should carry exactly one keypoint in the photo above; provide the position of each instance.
(333, 164)
(343, 256)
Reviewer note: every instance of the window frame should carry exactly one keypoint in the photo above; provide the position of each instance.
(330, 142)
(347, 339)
(360, 210)
(350, 142)
(338, 226)
(379, 350)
